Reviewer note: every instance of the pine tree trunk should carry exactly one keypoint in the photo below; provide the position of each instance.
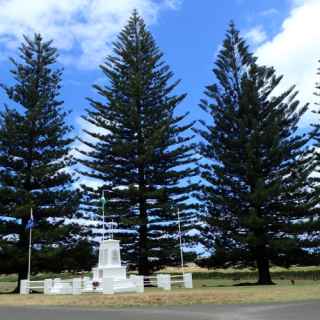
(143, 267)
(22, 275)
(23, 246)
(143, 255)
(263, 268)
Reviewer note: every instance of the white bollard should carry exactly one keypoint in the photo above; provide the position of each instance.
(159, 281)
(187, 279)
(107, 286)
(139, 283)
(166, 282)
(24, 287)
(76, 286)
(47, 286)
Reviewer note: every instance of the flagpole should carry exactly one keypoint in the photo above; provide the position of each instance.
(180, 241)
(103, 203)
(103, 215)
(111, 229)
(30, 245)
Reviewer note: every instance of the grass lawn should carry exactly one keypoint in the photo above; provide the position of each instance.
(206, 291)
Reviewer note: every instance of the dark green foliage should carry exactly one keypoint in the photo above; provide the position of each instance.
(243, 276)
(74, 258)
(34, 162)
(258, 194)
(140, 151)
(312, 228)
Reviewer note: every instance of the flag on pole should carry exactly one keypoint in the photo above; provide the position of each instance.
(30, 223)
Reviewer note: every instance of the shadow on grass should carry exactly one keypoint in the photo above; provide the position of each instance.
(242, 284)
(9, 292)
(15, 291)
(253, 284)
(217, 286)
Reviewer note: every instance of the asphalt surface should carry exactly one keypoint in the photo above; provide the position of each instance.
(289, 311)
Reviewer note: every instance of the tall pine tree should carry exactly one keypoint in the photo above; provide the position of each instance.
(312, 239)
(34, 163)
(140, 151)
(257, 192)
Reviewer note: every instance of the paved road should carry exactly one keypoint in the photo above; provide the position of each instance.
(290, 311)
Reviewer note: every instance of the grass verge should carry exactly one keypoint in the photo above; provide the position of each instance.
(218, 295)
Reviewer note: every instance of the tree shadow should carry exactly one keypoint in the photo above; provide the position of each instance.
(252, 284)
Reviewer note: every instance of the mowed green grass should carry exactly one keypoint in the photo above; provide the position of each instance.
(217, 291)
(229, 273)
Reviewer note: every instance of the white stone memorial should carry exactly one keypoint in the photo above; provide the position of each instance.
(109, 277)
(109, 264)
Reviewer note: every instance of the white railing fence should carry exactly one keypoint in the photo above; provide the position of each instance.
(166, 281)
(109, 285)
(27, 286)
(150, 281)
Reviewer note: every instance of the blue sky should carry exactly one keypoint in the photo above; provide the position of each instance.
(191, 36)
(283, 33)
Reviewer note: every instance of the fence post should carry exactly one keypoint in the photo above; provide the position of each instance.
(159, 281)
(166, 282)
(187, 279)
(107, 286)
(139, 283)
(47, 286)
(24, 287)
(76, 286)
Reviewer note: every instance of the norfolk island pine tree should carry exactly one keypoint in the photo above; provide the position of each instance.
(35, 147)
(140, 151)
(258, 192)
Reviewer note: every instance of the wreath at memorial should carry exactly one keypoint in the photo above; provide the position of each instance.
(95, 285)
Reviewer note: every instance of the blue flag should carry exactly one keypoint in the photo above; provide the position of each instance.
(30, 223)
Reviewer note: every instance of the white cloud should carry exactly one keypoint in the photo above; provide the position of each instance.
(84, 26)
(295, 52)
(256, 35)
(269, 12)
(173, 4)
